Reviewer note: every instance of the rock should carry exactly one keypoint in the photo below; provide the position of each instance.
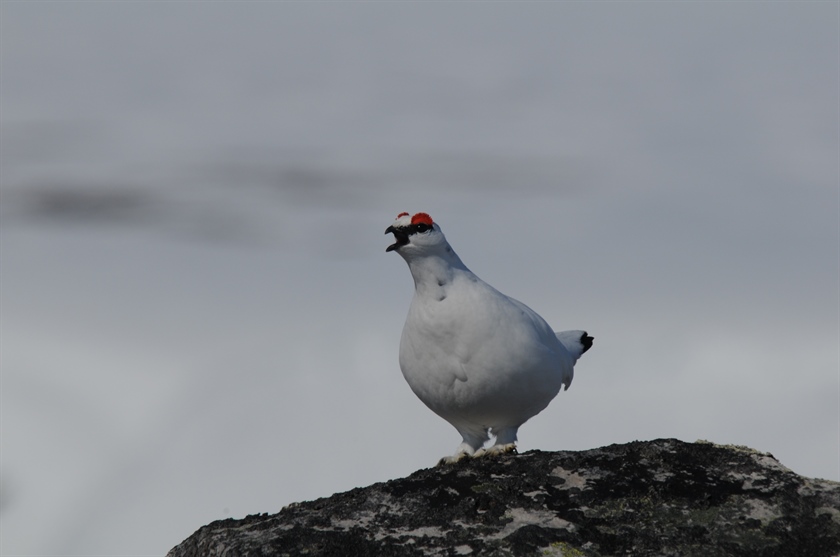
(663, 497)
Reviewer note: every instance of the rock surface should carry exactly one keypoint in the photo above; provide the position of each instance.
(663, 497)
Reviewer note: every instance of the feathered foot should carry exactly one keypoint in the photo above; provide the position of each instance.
(452, 459)
(507, 448)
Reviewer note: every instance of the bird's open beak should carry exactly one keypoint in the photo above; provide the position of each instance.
(400, 236)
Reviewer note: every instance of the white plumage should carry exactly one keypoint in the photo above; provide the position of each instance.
(482, 361)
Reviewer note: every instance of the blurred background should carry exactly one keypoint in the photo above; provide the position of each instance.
(199, 319)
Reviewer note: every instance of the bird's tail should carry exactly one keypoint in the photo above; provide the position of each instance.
(576, 342)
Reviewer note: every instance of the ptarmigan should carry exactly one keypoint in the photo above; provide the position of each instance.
(482, 361)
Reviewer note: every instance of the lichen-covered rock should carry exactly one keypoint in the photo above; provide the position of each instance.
(663, 497)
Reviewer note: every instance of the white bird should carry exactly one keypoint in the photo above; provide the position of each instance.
(482, 361)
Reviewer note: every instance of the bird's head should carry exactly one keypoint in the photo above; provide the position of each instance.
(416, 236)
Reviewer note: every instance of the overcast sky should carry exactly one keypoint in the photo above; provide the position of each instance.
(199, 319)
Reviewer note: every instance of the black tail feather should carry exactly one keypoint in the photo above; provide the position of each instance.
(586, 341)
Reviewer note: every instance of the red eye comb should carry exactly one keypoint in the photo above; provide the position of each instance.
(422, 218)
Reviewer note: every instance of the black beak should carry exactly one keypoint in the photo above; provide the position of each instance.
(400, 236)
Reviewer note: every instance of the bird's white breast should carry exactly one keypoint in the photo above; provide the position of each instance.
(468, 350)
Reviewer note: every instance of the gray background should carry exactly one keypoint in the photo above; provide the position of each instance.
(199, 319)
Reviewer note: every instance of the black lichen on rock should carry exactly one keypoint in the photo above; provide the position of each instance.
(663, 497)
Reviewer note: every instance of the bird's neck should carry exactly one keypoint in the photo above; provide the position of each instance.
(433, 272)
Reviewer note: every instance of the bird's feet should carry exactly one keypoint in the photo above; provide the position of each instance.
(464, 450)
(496, 450)
(452, 459)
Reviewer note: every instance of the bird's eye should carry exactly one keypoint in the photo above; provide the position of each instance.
(421, 227)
